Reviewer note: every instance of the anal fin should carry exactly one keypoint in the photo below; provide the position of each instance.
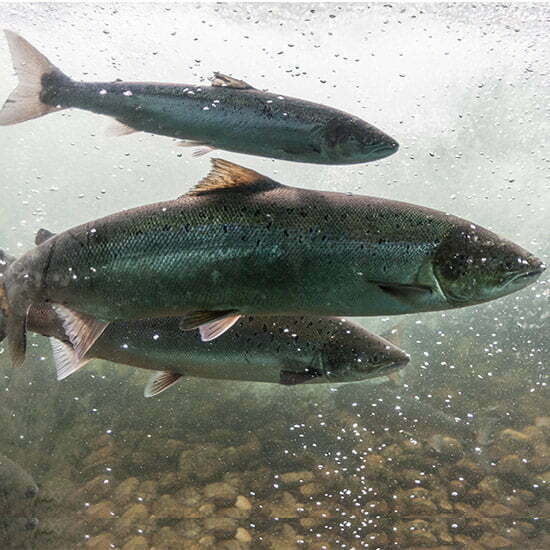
(65, 358)
(160, 381)
(201, 147)
(292, 378)
(201, 151)
(405, 293)
(211, 323)
(81, 329)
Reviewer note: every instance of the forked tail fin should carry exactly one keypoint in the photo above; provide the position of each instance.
(5, 261)
(30, 66)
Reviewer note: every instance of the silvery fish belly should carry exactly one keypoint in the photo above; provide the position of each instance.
(240, 243)
(280, 350)
(231, 114)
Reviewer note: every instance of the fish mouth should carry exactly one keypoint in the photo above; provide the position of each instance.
(527, 277)
(387, 367)
(388, 147)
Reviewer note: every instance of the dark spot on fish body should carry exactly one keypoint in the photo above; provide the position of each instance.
(267, 111)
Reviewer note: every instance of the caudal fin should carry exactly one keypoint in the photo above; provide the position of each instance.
(13, 313)
(17, 338)
(5, 261)
(30, 66)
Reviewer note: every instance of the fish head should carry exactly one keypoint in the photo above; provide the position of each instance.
(349, 140)
(367, 357)
(473, 265)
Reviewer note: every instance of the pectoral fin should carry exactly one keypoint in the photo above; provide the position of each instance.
(225, 81)
(300, 149)
(81, 329)
(216, 328)
(65, 358)
(211, 323)
(119, 128)
(292, 378)
(160, 381)
(406, 293)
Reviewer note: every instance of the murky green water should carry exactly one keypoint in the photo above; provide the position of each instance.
(453, 455)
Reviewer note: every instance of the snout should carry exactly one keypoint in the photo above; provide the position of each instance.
(537, 266)
(400, 359)
(534, 268)
(387, 146)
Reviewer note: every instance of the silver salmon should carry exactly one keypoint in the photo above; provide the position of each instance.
(240, 243)
(230, 114)
(279, 350)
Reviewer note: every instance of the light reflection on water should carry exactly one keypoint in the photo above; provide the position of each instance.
(453, 455)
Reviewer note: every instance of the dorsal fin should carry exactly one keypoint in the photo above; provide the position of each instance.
(42, 235)
(227, 175)
(225, 81)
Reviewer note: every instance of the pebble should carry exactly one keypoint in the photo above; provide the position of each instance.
(221, 527)
(101, 510)
(126, 491)
(101, 542)
(243, 503)
(242, 535)
(137, 543)
(296, 478)
(222, 494)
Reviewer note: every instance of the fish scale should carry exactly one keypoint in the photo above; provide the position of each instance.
(181, 252)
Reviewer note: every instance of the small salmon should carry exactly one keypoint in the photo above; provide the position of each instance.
(280, 350)
(240, 243)
(230, 114)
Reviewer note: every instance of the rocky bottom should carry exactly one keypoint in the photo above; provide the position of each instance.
(248, 466)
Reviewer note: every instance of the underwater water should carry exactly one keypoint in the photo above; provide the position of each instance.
(453, 453)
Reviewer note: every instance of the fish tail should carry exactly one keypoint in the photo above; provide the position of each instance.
(36, 75)
(17, 338)
(5, 261)
(15, 302)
